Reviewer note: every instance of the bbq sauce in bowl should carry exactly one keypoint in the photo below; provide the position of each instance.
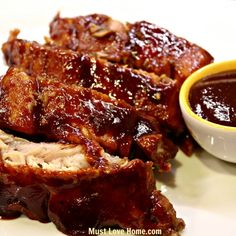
(214, 98)
(207, 102)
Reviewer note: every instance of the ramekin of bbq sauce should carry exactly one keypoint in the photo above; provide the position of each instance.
(208, 104)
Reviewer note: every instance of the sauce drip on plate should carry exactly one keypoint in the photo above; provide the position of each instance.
(214, 98)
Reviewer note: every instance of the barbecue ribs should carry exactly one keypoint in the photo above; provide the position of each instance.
(147, 92)
(55, 182)
(103, 91)
(70, 113)
(141, 45)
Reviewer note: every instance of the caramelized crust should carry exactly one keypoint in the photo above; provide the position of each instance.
(157, 50)
(141, 45)
(20, 102)
(107, 37)
(149, 93)
(80, 115)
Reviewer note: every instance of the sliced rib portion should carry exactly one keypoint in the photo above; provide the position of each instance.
(55, 182)
(95, 34)
(80, 115)
(149, 93)
(141, 45)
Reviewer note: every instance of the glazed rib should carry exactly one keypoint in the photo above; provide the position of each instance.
(70, 113)
(141, 45)
(55, 182)
(149, 93)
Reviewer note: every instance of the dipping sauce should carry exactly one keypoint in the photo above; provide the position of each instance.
(214, 98)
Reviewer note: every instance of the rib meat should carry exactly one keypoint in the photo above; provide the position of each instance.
(147, 92)
(55, 182)
(141, 45)
(39, 106)
(93, 34)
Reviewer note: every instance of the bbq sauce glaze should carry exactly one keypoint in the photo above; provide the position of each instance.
(214, 98)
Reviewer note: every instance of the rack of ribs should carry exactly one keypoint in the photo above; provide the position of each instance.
(74, 114)
(141, 45)
(98, 99)
(153, 95)
(59, 183)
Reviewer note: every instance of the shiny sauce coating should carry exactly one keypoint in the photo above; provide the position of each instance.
(214, 98)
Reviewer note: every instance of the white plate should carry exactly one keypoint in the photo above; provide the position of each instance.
(201, 188)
